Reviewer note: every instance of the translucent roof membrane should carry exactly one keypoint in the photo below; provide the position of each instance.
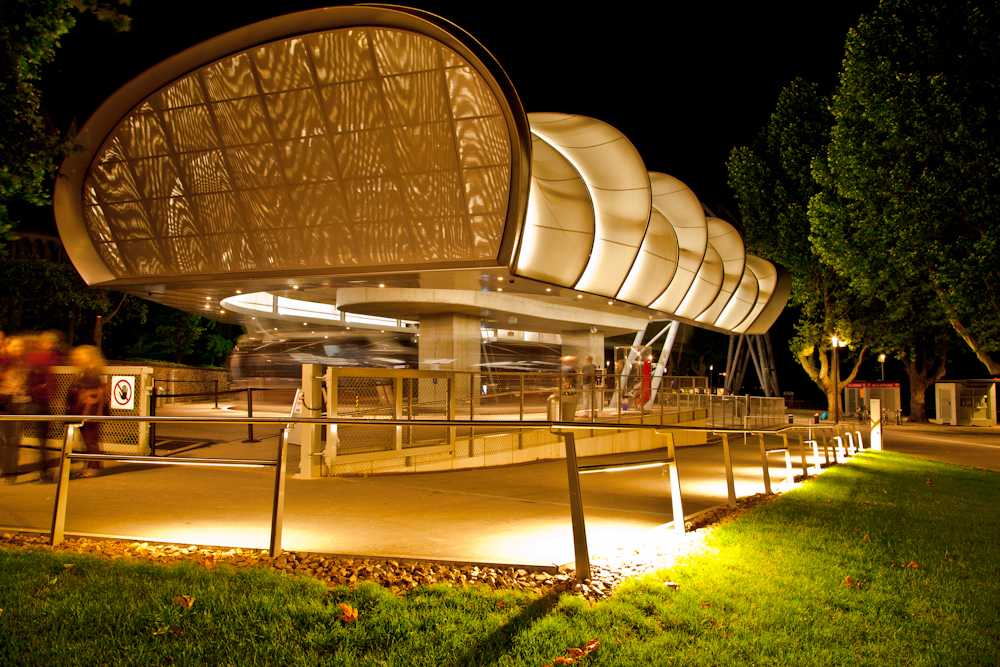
(598, 222)
(347, 148)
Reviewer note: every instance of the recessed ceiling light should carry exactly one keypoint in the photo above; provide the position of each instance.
(499, 289)
(579, 296)
(381, 284)
(295, 286)
(548, 289)
(239, 291)
(610, 303)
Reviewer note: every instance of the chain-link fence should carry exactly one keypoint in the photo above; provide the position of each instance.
(115, 437)
(372, 394)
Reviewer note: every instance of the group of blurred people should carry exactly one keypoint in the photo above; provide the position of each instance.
(28, 386)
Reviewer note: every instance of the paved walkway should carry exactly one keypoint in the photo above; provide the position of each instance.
(515, 515)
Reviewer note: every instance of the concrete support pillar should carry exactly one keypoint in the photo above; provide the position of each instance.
(449, 342)
(452, 342)
(581, 344)
(312, 407)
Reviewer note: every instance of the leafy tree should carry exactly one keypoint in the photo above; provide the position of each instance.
(173, 335)
(773, 184)
(29, 146)
(36, 294)
(911, 179)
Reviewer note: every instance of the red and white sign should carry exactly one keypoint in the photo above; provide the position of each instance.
(123, 392)
(873, 385)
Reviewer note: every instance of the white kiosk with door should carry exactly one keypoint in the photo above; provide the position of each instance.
(966, 402)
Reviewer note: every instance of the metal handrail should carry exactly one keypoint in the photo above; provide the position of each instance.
(565, 430)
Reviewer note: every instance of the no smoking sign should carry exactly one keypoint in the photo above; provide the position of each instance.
(123, 392)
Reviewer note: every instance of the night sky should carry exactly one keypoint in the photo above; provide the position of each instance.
(685, 84)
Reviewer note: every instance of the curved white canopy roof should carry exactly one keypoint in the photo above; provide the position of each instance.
(598, 222)
(352, 142)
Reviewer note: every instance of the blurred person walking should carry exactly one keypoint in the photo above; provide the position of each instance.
(88, 396)
(45, 354)
(14, 400)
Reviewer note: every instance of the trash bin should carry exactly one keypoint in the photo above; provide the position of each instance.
(816, 418)
(552, 408)
(791, 419)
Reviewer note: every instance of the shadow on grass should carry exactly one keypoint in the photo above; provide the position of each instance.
(498, 642)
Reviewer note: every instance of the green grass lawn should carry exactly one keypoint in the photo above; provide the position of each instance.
(918, 540)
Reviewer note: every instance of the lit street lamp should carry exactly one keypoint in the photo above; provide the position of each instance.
(837, 343)
(881, 359)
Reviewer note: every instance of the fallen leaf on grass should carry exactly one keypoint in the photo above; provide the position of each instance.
(68, 566)
(161, 631)
(850, 582)
(348, 613)
(930, 483)
(865, 538)
(706, 604)
(864, 502)
(670, 584)
(575, 654)
(209, 561)
(184, 601)
(911, 564)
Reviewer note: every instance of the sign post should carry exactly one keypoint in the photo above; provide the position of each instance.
(875, 421)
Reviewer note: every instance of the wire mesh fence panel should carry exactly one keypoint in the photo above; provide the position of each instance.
(365, 438)
(115, 437)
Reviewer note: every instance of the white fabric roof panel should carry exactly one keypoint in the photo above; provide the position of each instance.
(727, 241)
(705, 287)
(619, 188)
(767, 281)
(681, 208)
(741, 303)
(655, 265)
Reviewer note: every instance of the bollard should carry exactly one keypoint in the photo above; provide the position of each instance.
(250, 414)
(216, 394)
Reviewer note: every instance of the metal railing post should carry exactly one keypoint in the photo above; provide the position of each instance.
(730, 482)
(62, 489)
(278, 506)
(802, 451)
(788, 459)
(152, 425)
(576, 509)
(250, 437)
(763, 463)
(676, 501)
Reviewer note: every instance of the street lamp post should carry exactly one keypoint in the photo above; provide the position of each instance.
(881, 359)
(836, 378)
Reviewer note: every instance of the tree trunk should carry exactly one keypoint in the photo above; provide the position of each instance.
(921, 377)
(100, 322)
(98, 331)
(72, 327)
